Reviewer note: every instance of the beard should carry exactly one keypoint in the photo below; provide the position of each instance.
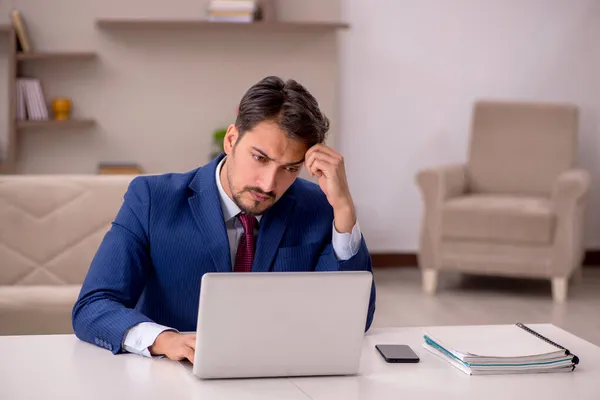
(255, 207)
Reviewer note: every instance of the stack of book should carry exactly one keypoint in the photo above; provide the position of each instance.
(232, 11)
(490, 350)
(31, 104)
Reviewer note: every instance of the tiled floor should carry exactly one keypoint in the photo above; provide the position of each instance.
(466, 300)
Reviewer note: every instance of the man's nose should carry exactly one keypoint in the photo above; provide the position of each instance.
(268, 180)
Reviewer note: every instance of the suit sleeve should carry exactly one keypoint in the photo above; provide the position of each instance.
(104, 310)
(361, 261)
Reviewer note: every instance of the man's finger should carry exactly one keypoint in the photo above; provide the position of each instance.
(310, 151)
(316, 147)
(324, 167)
(331, 152)
(191, 341)
(308, 163)
(188, 353)
(175, 356)
(318, 155)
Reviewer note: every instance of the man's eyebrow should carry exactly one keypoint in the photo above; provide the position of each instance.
(265, 155)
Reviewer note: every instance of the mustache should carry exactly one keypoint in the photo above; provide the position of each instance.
(259, 191)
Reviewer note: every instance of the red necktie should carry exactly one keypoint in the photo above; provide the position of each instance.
(245, 252)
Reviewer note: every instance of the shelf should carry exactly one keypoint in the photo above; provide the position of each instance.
(60, 55)
(125, 23)
(51, 124)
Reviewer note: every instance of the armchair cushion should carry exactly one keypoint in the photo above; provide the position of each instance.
(502, 219)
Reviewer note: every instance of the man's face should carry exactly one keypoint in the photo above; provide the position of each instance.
(260, 166)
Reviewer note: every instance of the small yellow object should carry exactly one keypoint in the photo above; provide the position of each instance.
(62, 108)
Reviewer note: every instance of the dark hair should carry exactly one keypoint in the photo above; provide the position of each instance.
(288, 104)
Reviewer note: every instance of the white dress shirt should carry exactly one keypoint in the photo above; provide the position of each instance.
(345, 246)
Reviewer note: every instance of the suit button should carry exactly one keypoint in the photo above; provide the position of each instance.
(110, 347)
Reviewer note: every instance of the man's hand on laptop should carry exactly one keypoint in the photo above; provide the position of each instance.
(176, 346)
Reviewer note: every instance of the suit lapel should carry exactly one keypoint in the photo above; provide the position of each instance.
(206, 209)
(272, 227)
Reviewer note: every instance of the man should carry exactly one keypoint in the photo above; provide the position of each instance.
(244, 211)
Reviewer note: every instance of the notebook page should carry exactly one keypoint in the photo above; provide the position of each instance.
(491, 341)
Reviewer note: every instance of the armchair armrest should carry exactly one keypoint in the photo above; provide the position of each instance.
(571, 186)
(437, 185)
(442, 183)
(569, 200)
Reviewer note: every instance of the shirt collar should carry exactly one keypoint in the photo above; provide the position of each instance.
(228, 206)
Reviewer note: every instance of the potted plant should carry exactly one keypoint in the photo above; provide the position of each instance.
(218, 137)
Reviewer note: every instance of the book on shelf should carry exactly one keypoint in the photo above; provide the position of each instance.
(243, 11)
(119, 169)
(23, 40)
(31, 103)
(21, 106)
(495, 350)
(239, 19)
(235, 5)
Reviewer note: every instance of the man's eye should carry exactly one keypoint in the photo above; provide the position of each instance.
(292, 169)
(258, 158)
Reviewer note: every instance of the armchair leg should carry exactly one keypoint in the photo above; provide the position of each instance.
(429, 280)
(559, 289)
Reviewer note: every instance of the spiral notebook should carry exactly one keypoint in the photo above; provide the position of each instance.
(498, 349)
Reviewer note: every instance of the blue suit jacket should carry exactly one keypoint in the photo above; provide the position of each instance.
(170, 231)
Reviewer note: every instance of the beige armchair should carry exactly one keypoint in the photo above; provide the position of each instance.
(516, 208)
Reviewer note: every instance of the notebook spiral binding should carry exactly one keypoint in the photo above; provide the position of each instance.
(544, 338)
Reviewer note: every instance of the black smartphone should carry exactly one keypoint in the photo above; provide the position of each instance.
(397, 353)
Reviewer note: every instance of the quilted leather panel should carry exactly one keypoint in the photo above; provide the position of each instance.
(26, 196)
(51, 225)
(13, 266)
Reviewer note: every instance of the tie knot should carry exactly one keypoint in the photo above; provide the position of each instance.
(248, 222)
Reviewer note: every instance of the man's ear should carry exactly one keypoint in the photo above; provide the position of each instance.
(231, 137)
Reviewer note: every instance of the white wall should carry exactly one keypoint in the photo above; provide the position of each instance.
(411, 70)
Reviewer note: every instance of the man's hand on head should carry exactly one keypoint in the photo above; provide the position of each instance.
(328, 165)
(175, 346)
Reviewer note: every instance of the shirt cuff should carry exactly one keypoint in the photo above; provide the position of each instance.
(142, 336)
(346, 245)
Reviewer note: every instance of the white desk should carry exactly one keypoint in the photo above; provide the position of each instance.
(62, 367)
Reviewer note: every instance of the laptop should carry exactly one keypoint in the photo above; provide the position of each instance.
(281, 324)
